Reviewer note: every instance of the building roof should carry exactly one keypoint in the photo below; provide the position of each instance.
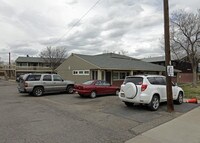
(154, 59)
(162, 58)
(119, 62)
(30, 60)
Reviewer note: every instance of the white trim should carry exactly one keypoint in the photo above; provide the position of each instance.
(81, 72)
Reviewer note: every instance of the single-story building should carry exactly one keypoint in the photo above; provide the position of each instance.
(109, 66)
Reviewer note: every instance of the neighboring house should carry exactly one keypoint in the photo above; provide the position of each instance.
(31, 65)
(109, 66)
(183, 65)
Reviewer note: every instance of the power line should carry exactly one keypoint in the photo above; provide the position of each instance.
(76, 23)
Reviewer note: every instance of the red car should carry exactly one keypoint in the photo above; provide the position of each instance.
(93, 88)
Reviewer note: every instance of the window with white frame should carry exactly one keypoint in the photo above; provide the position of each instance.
(81, 72)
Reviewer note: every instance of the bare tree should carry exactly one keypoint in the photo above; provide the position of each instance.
(54, 56)
(121, 52)
(185, 37)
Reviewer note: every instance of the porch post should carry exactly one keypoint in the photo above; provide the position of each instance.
(99, 75)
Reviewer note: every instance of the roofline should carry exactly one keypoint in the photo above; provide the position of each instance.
(85, 60)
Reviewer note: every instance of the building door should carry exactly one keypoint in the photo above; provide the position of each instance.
(108, 76)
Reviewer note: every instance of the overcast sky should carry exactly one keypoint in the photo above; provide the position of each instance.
(28, 26)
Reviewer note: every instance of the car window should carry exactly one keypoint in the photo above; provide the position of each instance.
(88, 82)
(135, 80)
(160, 80)
(152, 80)
(47, 78)
(157, 80)
(105, 83)
(99, 83)
(57, 78)
(33, 78)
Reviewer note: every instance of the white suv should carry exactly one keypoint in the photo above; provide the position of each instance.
(148, 89)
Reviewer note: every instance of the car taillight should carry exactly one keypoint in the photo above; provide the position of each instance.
(143, 87)
(25, 84)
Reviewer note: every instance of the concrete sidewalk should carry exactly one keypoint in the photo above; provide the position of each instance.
(183, 129)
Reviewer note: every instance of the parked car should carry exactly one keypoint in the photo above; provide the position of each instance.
(149, 90)
(93, 88)
(38, 84)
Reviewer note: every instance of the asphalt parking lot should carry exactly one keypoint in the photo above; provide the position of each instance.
(58, 118)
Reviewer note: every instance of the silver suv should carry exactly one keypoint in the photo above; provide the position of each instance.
(149, 90)
(38, 84)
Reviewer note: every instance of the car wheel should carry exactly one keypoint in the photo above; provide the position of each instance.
(93, 94)
(179, 100)
(38, 91)
(70, 89)
(128, 104)
(117, 92)
(155, 102)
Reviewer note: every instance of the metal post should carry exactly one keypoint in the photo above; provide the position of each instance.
(170, 105)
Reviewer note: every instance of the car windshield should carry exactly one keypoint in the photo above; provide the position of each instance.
(88, 82)
(135, 80)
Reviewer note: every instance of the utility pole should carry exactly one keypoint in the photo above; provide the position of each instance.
(170, 105)
(9, 72)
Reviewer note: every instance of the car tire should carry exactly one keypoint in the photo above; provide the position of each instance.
(128, 104)
(155, 102)
(179, 100)
(38, 91)
(70, 89)
(93, 94)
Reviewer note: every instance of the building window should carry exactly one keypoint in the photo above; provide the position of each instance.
(86, 72)
(119, 75)
(115, 75)
(81, 72)
(122, 75)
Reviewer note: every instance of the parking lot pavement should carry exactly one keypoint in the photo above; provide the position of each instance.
(69, 118)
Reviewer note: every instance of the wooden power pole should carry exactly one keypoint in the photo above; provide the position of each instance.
(170, 105)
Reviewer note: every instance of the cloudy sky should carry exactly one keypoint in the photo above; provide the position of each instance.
(28, 26)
